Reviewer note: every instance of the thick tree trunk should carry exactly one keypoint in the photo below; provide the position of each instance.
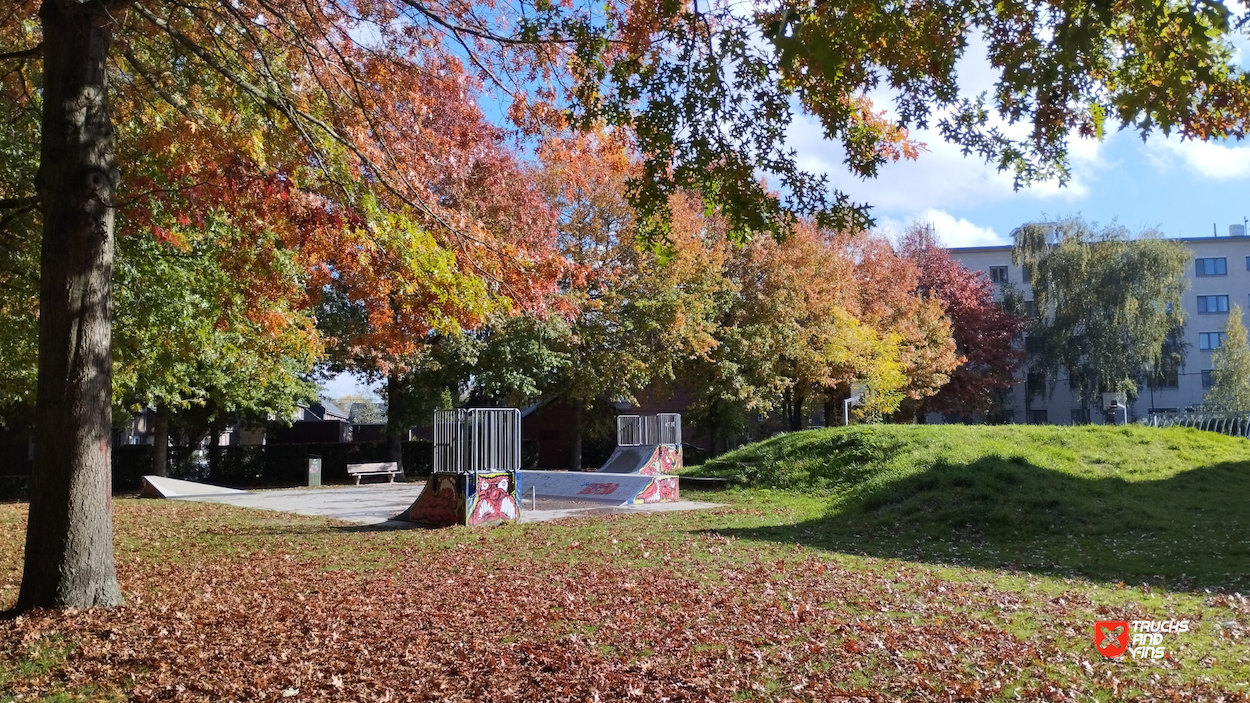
(160, 441)
(69, 534)
(394, 419)
(575, 446)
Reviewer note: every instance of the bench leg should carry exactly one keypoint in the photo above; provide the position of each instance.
(357, 479)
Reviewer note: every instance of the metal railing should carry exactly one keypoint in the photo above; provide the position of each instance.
(477, 440)
(636, 430)
(1232, 424)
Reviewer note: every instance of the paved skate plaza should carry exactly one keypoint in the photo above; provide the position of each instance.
(377, 504)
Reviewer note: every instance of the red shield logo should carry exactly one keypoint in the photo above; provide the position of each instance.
(1111, 637)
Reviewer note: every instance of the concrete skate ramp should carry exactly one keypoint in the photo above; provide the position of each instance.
(629, 460)
(161, 487)
(617, 489)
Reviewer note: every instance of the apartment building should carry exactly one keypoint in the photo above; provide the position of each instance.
(1219, 277)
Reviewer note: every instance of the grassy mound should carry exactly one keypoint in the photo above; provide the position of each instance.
(1104, 501)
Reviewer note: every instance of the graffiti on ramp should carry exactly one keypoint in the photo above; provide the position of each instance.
(466, 499)
(662, 489)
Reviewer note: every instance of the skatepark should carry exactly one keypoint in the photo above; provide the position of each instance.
(477, 479)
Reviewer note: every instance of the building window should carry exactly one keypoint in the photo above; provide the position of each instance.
(1037, 417)
(1248, 263)
(1035, 383)
(1033, 345)
(1212, 303)
(1211, 267)
(1206, 379)
(1030, 308)
(1210, 341)
(1026, 273)
(998, 274)
(1080, 416)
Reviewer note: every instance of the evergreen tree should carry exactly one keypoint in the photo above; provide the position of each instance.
(1230, 389)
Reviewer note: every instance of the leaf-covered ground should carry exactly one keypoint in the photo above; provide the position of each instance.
(230, 604)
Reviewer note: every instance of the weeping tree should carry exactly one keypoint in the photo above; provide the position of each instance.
(1107, 304)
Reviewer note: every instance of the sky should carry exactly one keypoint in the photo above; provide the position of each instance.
(1180, 188)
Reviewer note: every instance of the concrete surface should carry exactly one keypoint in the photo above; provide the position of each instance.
(376, 504)
(368, 504)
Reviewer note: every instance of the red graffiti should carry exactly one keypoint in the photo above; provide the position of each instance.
(495, 501)
(664, 460)
(670, 458)
(438, 504)
(599, 489)
(661, 490)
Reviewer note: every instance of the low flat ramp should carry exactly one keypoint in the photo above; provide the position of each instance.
(629, 460)
(162, 487)
(614, 489)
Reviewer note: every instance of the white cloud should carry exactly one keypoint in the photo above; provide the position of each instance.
(951, 231)
(1207, 159)
(942, 178)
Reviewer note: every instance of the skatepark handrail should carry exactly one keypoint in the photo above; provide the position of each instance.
(637, 430)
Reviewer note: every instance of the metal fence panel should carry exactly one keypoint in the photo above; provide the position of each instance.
(1232, 424)
(477, 440)
(635, 430)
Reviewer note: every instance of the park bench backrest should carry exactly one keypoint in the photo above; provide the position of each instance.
(373, 468)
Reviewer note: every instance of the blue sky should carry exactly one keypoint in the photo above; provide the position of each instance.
(1181, 188)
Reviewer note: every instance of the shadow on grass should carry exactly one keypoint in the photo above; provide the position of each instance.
(1187, 532)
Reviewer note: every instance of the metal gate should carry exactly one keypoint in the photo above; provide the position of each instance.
(477, 440)
(636, 430)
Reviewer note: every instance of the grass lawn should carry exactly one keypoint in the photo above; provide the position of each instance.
(893, 563)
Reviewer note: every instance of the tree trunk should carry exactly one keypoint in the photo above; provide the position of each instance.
(394, 418)
(69, 534)
(160, 442)
(794, 410)
(214, 450)
(575, 447)
(833, 411)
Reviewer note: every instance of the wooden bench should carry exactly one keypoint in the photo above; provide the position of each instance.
(379, 468)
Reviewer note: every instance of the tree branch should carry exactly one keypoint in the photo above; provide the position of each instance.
(33, 52)
(18, 207)
(19, 203)
(297, 116)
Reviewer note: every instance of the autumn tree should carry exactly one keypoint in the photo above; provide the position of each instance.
(985, 334)
(629, 313)
(1107, 302)
(805, 320)
(337, 102)
(890, 300)
(1230, 375)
